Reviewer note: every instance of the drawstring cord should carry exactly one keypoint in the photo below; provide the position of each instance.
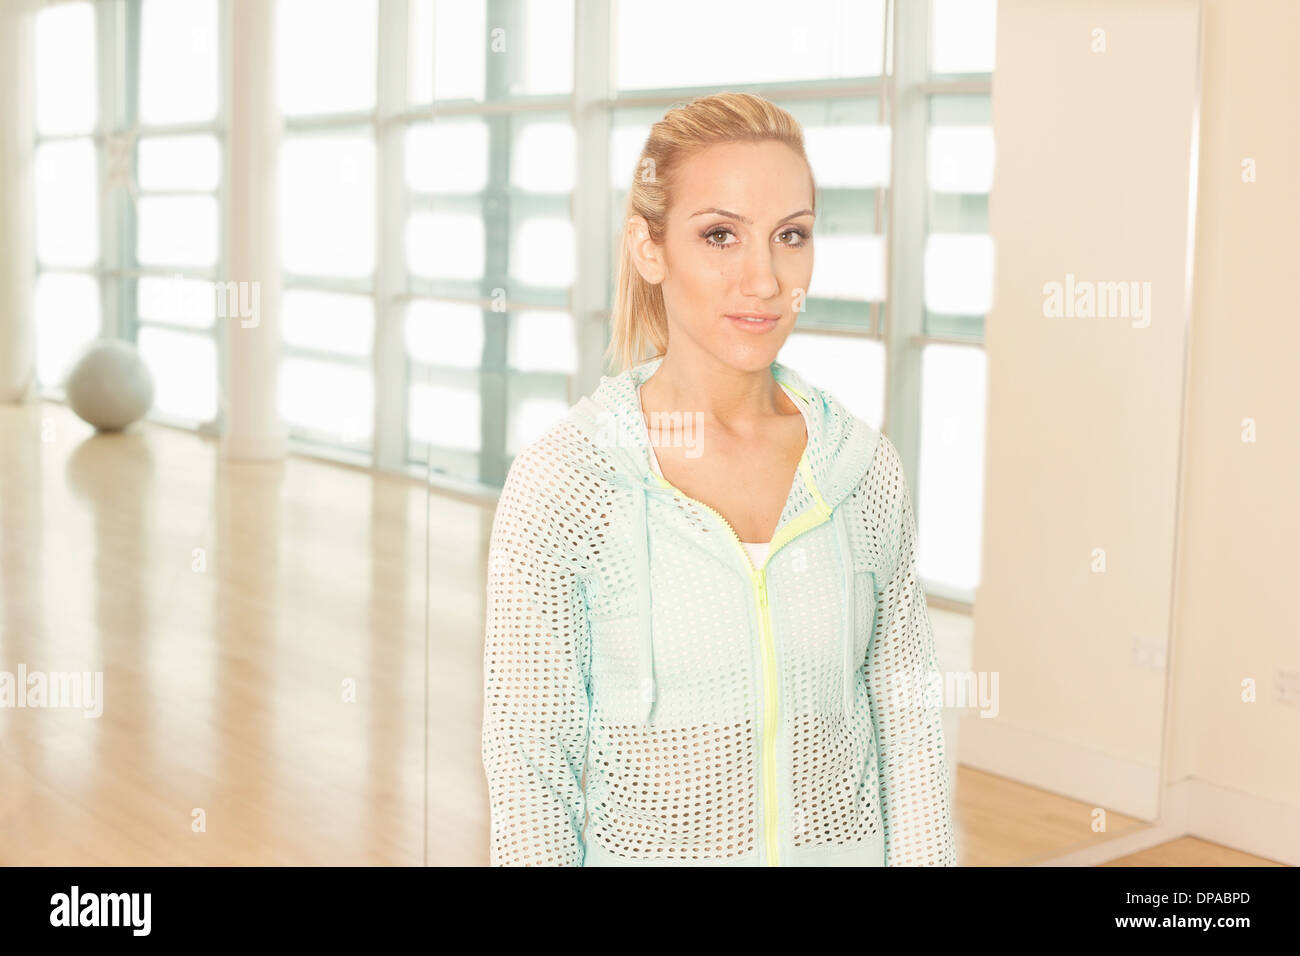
(649, 688)
(848, 623)
(849, 618)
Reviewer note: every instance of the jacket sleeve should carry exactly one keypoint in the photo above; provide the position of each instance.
(906, 705)
(535, 689)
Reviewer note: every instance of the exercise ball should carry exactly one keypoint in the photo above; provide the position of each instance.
(110, 386)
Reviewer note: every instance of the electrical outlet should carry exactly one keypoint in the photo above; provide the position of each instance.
(1149, 653)
(1286, 687)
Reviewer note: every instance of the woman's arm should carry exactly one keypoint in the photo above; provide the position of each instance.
(906, 703)
(535, 695)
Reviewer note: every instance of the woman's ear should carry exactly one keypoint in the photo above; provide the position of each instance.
(647, 254)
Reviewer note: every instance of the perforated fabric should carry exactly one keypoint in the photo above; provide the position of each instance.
(650, 698)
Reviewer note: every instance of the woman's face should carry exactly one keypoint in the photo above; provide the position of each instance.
(738, 240)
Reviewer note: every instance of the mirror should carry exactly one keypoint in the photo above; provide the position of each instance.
(1095, 116)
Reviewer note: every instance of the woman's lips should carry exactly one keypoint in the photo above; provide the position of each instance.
(754, 321)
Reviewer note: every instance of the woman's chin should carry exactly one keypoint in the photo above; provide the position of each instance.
(752, 358)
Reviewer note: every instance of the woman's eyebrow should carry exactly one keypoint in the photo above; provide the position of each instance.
(733, 215)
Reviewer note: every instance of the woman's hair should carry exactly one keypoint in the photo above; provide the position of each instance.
(639, 321)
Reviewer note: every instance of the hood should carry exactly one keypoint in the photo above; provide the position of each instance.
(839, 452)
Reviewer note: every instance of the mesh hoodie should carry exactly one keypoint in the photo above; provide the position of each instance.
(651, 697)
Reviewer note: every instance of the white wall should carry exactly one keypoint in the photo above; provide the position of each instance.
(1237, 613)
(1094, 152)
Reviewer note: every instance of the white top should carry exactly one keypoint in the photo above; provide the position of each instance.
(757, 549)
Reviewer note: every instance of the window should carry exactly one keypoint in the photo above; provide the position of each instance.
(451, 178)
(128, 164)
(67, 307)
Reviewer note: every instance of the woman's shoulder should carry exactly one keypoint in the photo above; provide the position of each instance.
(552, 462)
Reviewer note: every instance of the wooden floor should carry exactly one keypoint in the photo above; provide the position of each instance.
(1190, 851)
(229, 608)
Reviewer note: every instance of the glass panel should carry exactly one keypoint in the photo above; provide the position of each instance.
(326, 55)
(461, 206)
(543, 341)
(849, 156)
(67, 204)
(851, 368)
(178, 301)
(67, 318)
(329, 322)
(849, 267)
(327, 205)
(419, 51)
(177, 230)
(626, 140)
(65, 69)
(178, 61)
(958, 273)
(178, 162)
(444, 333)
(330, 402)
(447, 157)
(450, 55)
(533, 407)
(184, 367)
(963, 36)
(445, 245)
(543, 158)
(445, 414)
(950, 474)
(449, 44)
(548, 48)
(543, 252)
(771, 42)
(960, 159)
(960, 165)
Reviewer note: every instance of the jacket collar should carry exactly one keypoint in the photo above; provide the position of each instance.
(839, 451)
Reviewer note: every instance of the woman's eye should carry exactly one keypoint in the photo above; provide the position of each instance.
(798, 237)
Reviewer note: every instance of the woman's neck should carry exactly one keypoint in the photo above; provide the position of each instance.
(736, 400)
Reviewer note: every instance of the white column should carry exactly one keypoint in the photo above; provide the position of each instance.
(252, 425)
(17, 207)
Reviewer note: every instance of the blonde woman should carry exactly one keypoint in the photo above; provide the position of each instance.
(707, 643)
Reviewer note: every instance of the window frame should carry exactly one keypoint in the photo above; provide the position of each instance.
(902, 94)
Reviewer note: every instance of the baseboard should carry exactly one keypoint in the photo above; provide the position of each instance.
(1195, 808)
(1244, 821)
(1059, 766)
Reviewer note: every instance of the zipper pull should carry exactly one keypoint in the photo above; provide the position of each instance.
(762, 593)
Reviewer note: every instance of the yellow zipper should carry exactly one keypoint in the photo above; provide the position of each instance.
(818, 514)
(769, 716)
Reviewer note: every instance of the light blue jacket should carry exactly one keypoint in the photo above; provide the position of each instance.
(652, 698)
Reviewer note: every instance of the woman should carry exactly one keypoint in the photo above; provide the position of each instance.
(707, 643)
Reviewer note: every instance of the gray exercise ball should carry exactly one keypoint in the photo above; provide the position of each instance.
(110, 386)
